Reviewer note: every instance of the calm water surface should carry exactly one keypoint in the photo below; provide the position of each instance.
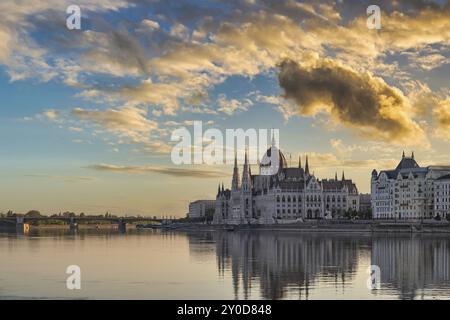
(223, 265)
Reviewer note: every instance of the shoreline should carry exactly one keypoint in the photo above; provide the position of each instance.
(301, 227)
(367, 228)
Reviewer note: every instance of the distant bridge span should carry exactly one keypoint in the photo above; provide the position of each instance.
(20, 221)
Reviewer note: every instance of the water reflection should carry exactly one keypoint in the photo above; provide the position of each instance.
(292, 265)
(145, 264)
(411, 265)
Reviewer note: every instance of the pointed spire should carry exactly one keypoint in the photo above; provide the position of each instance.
(300, 161)
(235, 180)
(307, 165)
(246, 176)
(335, 176)
(273, 138)
(343, 175)
(412, 155)
(218, 189)
(246, 157)
(403, 156)
(223, 188)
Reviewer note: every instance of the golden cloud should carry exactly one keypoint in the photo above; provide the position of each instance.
(359, 101)
(442, 119)
(171, 171)
(129, 121)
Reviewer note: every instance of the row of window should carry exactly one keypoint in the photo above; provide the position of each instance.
(312, 198)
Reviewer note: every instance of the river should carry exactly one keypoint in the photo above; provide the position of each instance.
(146, 264)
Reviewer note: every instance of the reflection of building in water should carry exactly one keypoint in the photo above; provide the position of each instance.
(411, 263)
(281, 260)
(275, 265)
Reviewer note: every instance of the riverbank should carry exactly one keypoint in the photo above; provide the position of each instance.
(332, 226)
(79, 226)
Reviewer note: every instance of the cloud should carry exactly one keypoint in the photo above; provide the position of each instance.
(153, 25)
(329, 160)
(22, 55)
(50, 115)
(285, 107)
(430, 62)
(114, 52)
(171, 62)
(75, 129)
(358, 101)
(442, 119)
(171, 171)
(62, 178)
(129, 121)
(231, 106)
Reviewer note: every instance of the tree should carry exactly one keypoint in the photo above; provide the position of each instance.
(69, 214)
(209, 214)
(33, 214)
(350, 214)
(82, 215)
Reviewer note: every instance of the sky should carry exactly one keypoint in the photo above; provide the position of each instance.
(87, 115)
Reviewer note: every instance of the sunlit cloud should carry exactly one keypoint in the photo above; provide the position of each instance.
(359, 101)
(171, 171)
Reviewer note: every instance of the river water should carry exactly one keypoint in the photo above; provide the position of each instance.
(146, 264)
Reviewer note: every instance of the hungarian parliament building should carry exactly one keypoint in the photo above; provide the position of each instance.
(286, 195)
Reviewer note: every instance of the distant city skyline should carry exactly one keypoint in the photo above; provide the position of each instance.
(87, 115)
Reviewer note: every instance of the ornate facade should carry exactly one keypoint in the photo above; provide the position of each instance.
(442, 196)
(288, 195)
(409, 191)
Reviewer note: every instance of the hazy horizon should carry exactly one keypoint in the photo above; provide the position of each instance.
(87, 115)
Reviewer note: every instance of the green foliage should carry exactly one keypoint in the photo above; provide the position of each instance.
(209, 214)
(350, 214)
(33, 214)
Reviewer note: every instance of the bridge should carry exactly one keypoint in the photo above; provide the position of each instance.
(21, 223)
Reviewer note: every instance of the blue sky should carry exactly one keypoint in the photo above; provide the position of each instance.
(86, 115)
